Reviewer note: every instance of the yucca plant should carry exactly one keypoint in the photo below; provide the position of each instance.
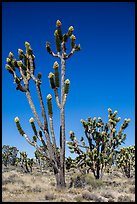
(26, 68)
(98, 152)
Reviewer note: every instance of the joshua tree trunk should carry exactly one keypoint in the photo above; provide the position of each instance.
(60, 179)
(62, 115)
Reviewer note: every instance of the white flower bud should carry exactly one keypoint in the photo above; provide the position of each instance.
(71, 132)
(16, 119)
(58, 23)
(72, 37)
(31, 120)
(8, 59)
(109, 110)
(71, 29)
(128, 120)
(20, 51)
(55, 65)
(19, 63)
(67, 81)
(119, 118)
(27, 44)
(115, 112)
(49, 97)
(11, 55)
(50, 75)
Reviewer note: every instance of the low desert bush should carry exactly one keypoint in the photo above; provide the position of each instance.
(110, 200)
(132, 189)
(90, 180)
(50, 196)
(124, 198)
(37, 189)
(89, 196)
(108, 195)
(79, 198)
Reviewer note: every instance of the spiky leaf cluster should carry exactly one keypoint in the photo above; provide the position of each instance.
(25, 66)
(61, 39)
(70, 163)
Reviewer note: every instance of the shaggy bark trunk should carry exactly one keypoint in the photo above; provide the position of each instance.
(60, 180)
(62, 139)
(98, 163)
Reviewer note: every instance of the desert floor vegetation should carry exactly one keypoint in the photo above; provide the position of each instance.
(41, 187)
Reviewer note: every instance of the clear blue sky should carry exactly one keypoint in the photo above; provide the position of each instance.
(102, 74)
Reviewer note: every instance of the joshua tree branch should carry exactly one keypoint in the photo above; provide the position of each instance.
(42, 106)
(71, 53)
(28, 140)
(53, 135)
(40, 150)
(89, 140)
(24, 78)
(64, 100)
(34, 110)
(55, 55)
(38, 82)
(57, 98)
(49, 145)
(83, 146)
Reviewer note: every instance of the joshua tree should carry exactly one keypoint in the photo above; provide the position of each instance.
(9, 155)
(102, 142)
(26, 68)
(125, 160)
(25, 162)
(42, 161)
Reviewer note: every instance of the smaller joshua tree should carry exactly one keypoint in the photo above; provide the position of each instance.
(125, 160)
(26, 68)
(25, 162)
(9, 155)
(102, 141)
(41, 160)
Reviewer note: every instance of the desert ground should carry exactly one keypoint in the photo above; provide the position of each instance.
(40, 187)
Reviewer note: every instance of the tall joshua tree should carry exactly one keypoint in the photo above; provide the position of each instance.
(26, 68)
